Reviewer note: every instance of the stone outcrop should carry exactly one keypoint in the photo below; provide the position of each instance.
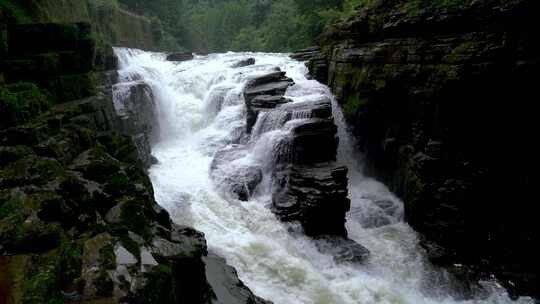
(438, 96)
(244, 63)
(310, 187)
(180, 56)
(265, 93)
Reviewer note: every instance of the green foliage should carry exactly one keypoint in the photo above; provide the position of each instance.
(159, 287)
(20, 102)
(241, 25)
(42, 285)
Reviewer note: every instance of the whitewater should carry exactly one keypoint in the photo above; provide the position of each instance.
(200, 109)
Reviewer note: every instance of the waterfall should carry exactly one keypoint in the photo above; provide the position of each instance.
(205, 156)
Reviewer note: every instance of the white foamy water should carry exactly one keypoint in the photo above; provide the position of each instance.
(201, 111)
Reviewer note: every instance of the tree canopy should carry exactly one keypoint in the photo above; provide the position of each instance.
(240, 25)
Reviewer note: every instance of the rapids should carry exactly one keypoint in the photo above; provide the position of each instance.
(201, 110)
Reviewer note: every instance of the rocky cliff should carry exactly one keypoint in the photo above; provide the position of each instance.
(78, 219)
(112, 25)
(439, 95)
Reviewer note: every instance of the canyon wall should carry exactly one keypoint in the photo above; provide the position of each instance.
(112, 25)
(439, 95)
(78, 219)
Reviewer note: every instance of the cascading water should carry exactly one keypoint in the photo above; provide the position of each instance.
(201, 112)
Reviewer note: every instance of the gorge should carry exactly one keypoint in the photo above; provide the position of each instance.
(205, 154)
(390, 162)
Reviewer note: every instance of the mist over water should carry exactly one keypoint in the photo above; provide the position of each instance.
(201, 110)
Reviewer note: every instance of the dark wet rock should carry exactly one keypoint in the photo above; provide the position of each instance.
(316, 196)
(180, 56)
(314, 140)
(272, 88)
(413, 81)
(263, 93)
(312, 109)
(244, 63)
(307, 53)
(343, 250)
(260, 102)
(225, 283)
(234, 177)
(136, 110)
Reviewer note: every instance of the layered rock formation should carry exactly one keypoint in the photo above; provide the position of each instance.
(309, 186)
(438, 94)
(78, 219)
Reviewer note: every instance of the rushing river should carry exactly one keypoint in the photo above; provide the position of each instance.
(200, 111)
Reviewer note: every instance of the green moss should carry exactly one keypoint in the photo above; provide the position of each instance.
(43, 286)
(7, 208)
(159, 286)
(131, 246)
(16, 11)
(353, 106)
(21, 102)
(119, 184)
(76, 86)
(107, 257)
(70, 260)
(134, 218)
(48, 273)
(379, 84)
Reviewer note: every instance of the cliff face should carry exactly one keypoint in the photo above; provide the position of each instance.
(439, 96)
(78, 219)
(112, 25)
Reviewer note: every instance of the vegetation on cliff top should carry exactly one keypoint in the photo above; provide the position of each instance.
(241, 25)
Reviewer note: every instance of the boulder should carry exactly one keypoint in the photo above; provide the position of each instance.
(316, 196)
(225, 283)
(180, 56)
(233, 175)
(343, 250)
(244, 63)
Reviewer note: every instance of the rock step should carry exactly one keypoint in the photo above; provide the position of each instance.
(265, 92)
